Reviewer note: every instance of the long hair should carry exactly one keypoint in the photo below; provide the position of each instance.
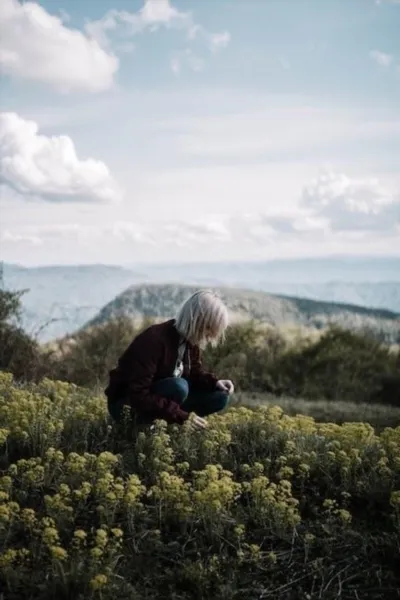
(202, 318)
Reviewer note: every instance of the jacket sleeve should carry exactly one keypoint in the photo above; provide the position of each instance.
(199, 378)
(141, 363)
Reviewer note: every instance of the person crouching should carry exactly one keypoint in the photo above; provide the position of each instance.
(160, 375)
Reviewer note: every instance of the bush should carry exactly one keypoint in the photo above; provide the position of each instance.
(340, 365)
(337, 365)
(19, 353)
(261, 505)
(87, 358)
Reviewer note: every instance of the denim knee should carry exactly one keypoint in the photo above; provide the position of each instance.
(182, 389)
(175, 388)
(220, 400)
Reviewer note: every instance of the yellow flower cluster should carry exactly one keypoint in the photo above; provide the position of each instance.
(215, 490)
(76, 506)
(40, 415)
(273, 504)
(172, 494)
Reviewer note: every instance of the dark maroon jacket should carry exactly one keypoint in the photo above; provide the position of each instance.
(152, 356)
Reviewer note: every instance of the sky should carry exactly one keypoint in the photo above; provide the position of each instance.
(198, 130)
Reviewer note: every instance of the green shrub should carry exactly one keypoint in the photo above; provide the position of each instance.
(19, 353)
(340, 365)
(86, 358)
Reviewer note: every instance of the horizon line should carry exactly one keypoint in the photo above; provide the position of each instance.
(130, 266)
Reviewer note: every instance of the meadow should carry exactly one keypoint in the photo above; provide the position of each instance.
(261, 505)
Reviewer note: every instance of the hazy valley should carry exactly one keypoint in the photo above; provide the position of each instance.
(62, 299)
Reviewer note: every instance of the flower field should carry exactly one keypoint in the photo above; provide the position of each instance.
(261, 505)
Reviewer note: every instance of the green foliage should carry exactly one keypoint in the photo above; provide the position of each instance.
(335, 364)
(249, 354)
(19, 353)
(324, 411)
(10, 302)
(10, 305)
(260, 505)
(340, 365)
(87, 358)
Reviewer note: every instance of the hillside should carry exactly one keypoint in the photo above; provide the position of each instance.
(62, 298)
(162, 301)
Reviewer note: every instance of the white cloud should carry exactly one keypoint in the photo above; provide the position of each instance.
(214, 41)
(152, 16)
(128, 231)
(219, 40)
(358, 205)
(156, 14)
(279, 227)
(176, 65)
(245, 236)
(381, 58)
(385, 61)
(48, 167)
(332, 207)
(18, 238)
(192, 193)
(183, 233)
(276, 130)
(38, 46)
(186, 58)
(202, 231)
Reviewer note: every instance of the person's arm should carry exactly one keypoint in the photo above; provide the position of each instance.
(141, 366)
(198, 377)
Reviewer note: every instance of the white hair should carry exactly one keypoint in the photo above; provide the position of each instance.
(202, 313)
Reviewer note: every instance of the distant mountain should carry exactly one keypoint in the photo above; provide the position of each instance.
(162, 301)
(348, 269)
(61, 299)
(384, 294)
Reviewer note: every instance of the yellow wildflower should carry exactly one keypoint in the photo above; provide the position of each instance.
(58, 553)
(7, 558)
(117, 532)
(98, 582)
(96, 553)
(79, 534)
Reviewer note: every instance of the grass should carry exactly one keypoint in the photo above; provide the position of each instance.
(262, 505)
(325, 411)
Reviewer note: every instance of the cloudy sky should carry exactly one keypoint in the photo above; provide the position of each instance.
(165, 130)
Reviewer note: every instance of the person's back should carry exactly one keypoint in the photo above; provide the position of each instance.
(147, 341)
(160, 374)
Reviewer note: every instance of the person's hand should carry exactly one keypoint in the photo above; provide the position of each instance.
(197, 422)
(225, 385)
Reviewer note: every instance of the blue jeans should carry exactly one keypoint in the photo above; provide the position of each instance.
(177, 389)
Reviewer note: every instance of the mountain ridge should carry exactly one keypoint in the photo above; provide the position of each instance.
(66, 297)
(163, 300)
